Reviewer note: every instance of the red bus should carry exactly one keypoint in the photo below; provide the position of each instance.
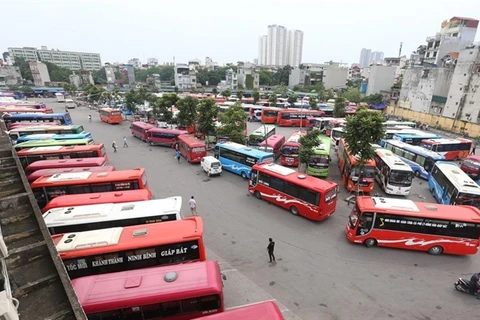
(273, 144)
(128, 248)
(139, 129)
(351, 172)
(179, 292)
(404, 224)
(15, 109)
(111, 116)
(65, 163)
(164, 137)
(313, 198)
(27, 105)
(471, 166)
(28, 156)
(49, 172)
(48, 187)
(297, 117)
(20, 125)
(291, 148)
(451, 149)
(269, 115)
(260, 311)
(334, 124)
(74, 200)
(191, 148)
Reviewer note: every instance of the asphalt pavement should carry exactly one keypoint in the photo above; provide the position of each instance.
(318, 274)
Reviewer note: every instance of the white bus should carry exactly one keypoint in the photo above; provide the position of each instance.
(336, 134)
(60, 97)
(393, 174)
(110, 215)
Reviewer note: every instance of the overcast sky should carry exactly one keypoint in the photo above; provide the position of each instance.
(225, 30)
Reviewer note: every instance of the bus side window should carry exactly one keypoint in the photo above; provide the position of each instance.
(253, 178)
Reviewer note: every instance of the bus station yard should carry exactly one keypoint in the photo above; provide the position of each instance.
(318, 273)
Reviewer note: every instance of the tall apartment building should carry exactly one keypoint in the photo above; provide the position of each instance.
(377, 57)
(67, 59)
(280, 47)
(365, 57)
(454, 36)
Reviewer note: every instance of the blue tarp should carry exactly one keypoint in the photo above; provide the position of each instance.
(380, 106)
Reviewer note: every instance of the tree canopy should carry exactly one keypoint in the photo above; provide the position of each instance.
(57, 73)
(226, 93)
(313, 102)
(167, 73)
(24, 67)
(339, 109)
(255, 96)
(307, 143)
(352, 95)
(233, 123)
(273, 99)
(207, 111)
(187, 111)
(374, 99)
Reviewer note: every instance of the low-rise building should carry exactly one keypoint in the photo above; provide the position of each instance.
(10, 76)
(380, 78)
(332, 74)
(248, 77)
(185, 78)
(39, 72)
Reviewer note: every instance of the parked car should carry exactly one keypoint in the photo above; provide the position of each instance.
(211, 166)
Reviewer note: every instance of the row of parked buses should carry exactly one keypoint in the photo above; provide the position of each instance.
(85, 200)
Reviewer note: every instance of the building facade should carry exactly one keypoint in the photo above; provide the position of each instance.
(39, 72)
(380, 78)
(376, 57)
(248, 77)
(10, 76)
(110, 75)
(280, 47)
(185, 77)
(365, 57)
(262, 50)
(332, 74)
(67, 59)
(276, 45)
(294, 48)
(135, 62)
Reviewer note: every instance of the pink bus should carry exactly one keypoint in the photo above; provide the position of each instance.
(139, 129)
(48, 172)
(273, 144)
(164, 137)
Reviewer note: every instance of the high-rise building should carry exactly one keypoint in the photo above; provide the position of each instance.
(276, 45)
(67, 59)
(135, 62)
(294, 48)
(376, 57)
(262, 50)
(365, 58)
(280, 47)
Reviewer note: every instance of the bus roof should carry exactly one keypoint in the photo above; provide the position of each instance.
(369, 162)
(324, 145)
(415, 149)
(46, 126)
(272, 140)
(415, 134)
(445, 141)
(392, 160)
(296, 177)
(460, 179)
(142, 125)
(295, 136)
(88, 177)
(66, 163)
(51, 142)
(263, 129)
(72, 200)
(418, 209)
(34, 115)
(267, 310)
(113, 211)
(47, 172)
(56, 149)
(475, 158)
(78, 244)
(173, 131)
(191, 140)
(126, 289)
(243, 149)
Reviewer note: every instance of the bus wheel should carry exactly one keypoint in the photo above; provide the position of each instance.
(417, 174)
(151, 143)
(370, 242)
(294, 210)
(435, 250)
(258, 195)
(244, 175)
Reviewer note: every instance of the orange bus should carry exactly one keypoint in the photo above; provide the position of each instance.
(48, 187)
(351, 173)
(269, 115)
(118, 249)
(111, 116)
(65, 163)
(191, 148)
(404, 224)
(139, 129)
(74, 200)
(196, 290)
(28, 156)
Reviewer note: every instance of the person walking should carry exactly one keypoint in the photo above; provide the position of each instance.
(178, 155)
(114, 146)
(193, 206)
(125, 145)
(270, 249)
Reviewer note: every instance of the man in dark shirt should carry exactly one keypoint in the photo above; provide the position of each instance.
(475, 282)
(270, 249)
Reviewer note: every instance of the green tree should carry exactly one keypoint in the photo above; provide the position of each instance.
(175, 90)
(249, 82)
(329, 95)
(187, 111)
(255, 96)
(265, 78)
(215, 92)
(70, 88)
(239, 94)
(273, 99)
(233, 123)
(307, 143)
(281, 90)
(24, 67)
(374, 99)
(355, 84)
(352, 95)
(207, 111)
(339, 109)
(226, 93)
(58, 74)
(26, 89)
(99, 76)
(281, 76)
(131, 100)
(313, 102)
(360, 130)
(162, 108)
(292, 98)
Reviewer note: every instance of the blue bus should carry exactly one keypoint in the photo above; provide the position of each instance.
(425, 158)
(240, 159)
(415, 138)
(417, 169)
(63, 119)
(450, 185)
(52, 136)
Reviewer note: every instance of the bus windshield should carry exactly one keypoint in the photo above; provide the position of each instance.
(319, 161)
(368, 172)
(468, 199)
(290, 150)
(402, 178)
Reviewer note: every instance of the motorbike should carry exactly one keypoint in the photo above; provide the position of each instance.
(464, 286)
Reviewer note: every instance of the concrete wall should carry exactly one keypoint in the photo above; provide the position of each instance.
(334, 77)
(11, 75)
(380, 78)
(296, 77)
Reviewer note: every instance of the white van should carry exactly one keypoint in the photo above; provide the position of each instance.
(70, 104)
(211, 165)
